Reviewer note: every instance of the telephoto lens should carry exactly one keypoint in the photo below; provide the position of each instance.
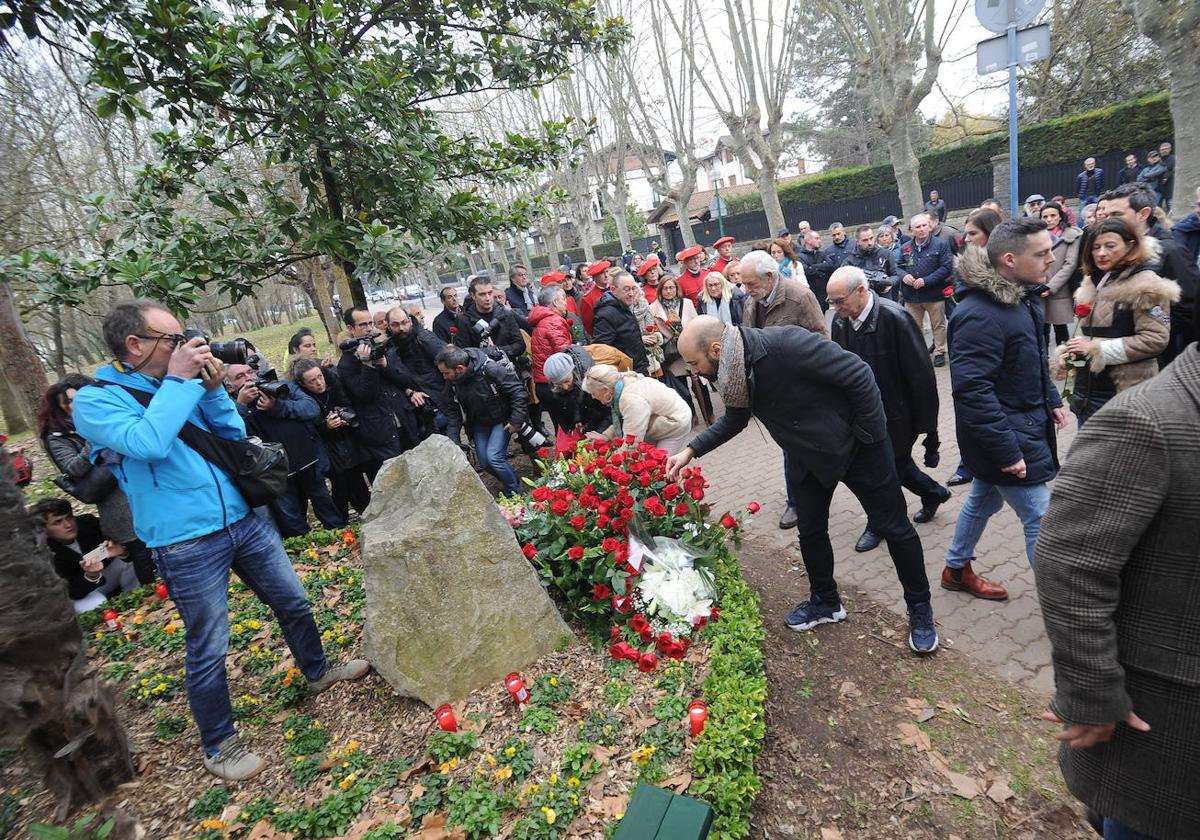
(229, 352)
(531, 436)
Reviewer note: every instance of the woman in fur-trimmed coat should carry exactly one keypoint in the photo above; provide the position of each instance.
(1130, 319)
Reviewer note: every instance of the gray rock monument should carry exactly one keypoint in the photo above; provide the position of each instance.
(452, 604)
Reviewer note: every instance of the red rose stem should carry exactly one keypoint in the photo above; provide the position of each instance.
(516, 687)
(445, 718)
(697, 715)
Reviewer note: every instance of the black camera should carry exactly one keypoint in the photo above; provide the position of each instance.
(378, 348)
(268, 383)
(347, 415)
(230, 352)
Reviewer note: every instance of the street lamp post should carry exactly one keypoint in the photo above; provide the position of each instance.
(718, 207)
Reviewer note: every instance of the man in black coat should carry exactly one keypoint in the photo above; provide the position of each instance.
(840, 245)
(1005, 406)
(520, 294)
(936, 207)
(617, 326)
(70, 539)
(484, 323)
(821, 405)
(417, 348)
(378, 390)
(444, 322)
(818, 265)
(1135, 204)
(883, 335)
(878, 263)
(490, 400)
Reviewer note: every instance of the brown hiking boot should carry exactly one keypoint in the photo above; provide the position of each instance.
(965, 580)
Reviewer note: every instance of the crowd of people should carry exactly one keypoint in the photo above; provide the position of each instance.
(833, 348)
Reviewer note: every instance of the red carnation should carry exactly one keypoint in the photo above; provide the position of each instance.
(728, 521)
(600, 592)
(575, 552)
(699, 623)
(1082, 310)
(647, 662)
(610, 545)
(529, 551)
(754, 507)
(638, 623)
(681, 509)
(577, 522)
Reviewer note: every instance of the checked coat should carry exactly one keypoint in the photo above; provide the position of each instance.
(1118, 576)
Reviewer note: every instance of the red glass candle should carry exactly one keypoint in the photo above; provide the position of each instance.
(161, 591)
(446, 719)
(110, 618)
(516, 687)
(697, 715)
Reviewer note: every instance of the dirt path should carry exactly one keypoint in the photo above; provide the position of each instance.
(865, 740)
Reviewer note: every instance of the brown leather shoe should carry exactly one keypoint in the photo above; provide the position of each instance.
(965, 580)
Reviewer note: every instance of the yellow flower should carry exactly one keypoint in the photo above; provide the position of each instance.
(503, 773)
(238, 628)
(490, 759)
(215, 824)
(510, 751)
(137, 619)
(572, 782)
(532, 789)
(170, 628)
(550, 815)
(574, 798)
(447, 766)
(351, 747)
(349, 780)
(313, 555)
(554, 681)
(254, 624)
(642, 754)
(553, 778)
(289, 735)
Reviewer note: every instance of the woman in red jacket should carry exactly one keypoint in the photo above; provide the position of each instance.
(551, 334)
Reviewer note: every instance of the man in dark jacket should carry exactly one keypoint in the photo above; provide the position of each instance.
(71, 539)
(880, 333)
(1089, 183)
(1135, 204)
(1132, 170)
(1167, 190)
(289, 418)
(818, 265)
(416, 349)
(443, 322)
(877, 263)
(378, 389)
(839, 247)
(520, 294)
(1005, 406)
(616, 325)
(821, 405)
(1116, 576)
(565, 372)
(926, 264)
(490, 400)
(936, 207)
(484, 324)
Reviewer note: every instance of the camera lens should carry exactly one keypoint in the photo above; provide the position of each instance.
(229, 352)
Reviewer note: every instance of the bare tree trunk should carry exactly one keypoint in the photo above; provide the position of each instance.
(57, 357)
(906, 166)
(769, 193)
(53, 705)
(523, 250)
(685, 223)
(19, 358)
(622, 224)
(554, 245)
(14, 421)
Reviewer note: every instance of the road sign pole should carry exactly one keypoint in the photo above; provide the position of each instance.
(1014, 196)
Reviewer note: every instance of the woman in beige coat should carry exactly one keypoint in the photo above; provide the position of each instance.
(641, 406)
(1128, 322)
(1060, 307)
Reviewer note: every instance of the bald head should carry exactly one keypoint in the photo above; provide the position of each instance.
(700, 345)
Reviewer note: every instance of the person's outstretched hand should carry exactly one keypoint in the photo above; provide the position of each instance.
(677, 462)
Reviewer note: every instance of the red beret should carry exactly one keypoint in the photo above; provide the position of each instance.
(553, 277)
(724, 240)
(597, 268)
(688, 253)
(647, 264)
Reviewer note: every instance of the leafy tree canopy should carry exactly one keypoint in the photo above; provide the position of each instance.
(296, 129)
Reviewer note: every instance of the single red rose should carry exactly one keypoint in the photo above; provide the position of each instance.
(577, 522)
(675, 651)
(454, 331)
(600, 592)
(622, 553)
(623, 478)
(714, 614)
(671, 491)
(754, 507)
(589, 468)
(651, 503)
(602, 520)
(664, 639)
(544, 452)
(630, 439)
(627, 514)
(1082, 310)
(644, 480)
(908, 249)
(647, 662)
(699, 623)
(681, 509)
(614, 633)
(948, 292)
(575, 552)
(728, 521)
(617, 459)
(541, 494)
(647, 635)
(622, 604)
(572, 468)
(560, 507)
(529, 551)
(610, 544)
(698, 495)
(638, 623)
(621, 650)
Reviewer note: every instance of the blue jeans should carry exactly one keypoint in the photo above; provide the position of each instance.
(491, 447)
(197, 573)
(291, 507)
(1028, 500)
(1113, 830)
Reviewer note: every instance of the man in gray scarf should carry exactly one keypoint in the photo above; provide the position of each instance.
(821, 405)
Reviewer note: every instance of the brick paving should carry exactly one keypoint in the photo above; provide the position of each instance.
(1007, 636)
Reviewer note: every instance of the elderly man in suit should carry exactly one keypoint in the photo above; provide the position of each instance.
(1119, 582)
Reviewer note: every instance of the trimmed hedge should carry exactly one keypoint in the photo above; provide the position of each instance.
(1134, 124)
(735, 691)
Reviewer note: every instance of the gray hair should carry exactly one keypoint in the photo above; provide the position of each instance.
(1091, 208)
(885, 229)
(550, 293)
(126, 318)
(854, 276)
(760, 263)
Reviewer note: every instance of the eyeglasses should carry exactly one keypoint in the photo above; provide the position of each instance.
(175, 338)
(838, 301)
(360, 324)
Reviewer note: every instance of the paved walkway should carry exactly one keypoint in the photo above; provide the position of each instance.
(1007, 635)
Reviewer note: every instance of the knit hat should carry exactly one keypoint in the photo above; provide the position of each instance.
(558, 367)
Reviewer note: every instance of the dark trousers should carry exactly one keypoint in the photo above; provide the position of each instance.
(1061, 334)
(291, 509)
(143, 562)
(871, 477)
(559, 413)
(350, 489)
(912, 478)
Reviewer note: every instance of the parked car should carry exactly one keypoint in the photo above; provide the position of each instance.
(414, 292)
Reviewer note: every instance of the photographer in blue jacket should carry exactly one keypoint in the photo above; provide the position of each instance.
(191, 514)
